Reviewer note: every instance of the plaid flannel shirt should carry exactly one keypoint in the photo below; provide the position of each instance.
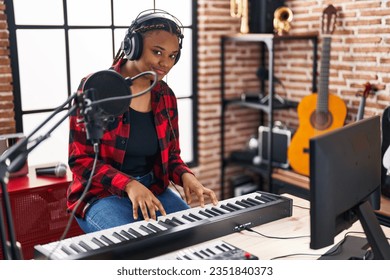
(108, 179)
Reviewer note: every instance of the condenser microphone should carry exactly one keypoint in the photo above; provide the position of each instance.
(59, 170)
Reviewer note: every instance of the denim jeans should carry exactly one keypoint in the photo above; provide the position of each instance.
(115, 211)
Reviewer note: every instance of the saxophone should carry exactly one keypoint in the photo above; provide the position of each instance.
(240, 9)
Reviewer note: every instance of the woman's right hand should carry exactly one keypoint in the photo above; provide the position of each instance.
(141, 197)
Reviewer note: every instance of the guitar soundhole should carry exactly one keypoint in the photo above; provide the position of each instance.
(321, 120)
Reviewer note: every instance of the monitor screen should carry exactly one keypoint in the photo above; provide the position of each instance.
(345, 176)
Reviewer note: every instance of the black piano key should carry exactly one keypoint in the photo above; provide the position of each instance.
(211, 212)
(195, 217)
(254, 201)
(146, 229)
(204, 253)
(107, 240)
(171, 222)
(246, 201)
(210, 251)
(205, 214)
(66, 250)
(220, 248)
(153, 227)
(134, 232)
(76, 248)
(119, 237)
(177, 221)
(128, 235)
(226, 247)
(263, 198)
(164, 224)
(85, 246)
(98, 242)
(215, 209)
(235, 207)
(242, 204)
(188, 218)
(198, 255)
(227, 208)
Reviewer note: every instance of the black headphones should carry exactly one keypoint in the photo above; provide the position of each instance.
(132, 44)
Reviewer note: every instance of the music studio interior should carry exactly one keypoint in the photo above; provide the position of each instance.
(315, 73)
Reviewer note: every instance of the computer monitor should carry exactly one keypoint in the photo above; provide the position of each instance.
(345, 176)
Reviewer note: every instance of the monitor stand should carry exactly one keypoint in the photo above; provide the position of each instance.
(353, 248)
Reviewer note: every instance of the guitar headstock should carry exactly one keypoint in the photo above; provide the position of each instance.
(368, 89)
(328, 23)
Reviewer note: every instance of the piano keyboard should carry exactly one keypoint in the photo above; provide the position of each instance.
(144, 240)
(213, 250)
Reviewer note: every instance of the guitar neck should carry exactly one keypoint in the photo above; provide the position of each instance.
(322, 100)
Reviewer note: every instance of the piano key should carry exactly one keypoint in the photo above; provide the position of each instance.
(119, 236)
(135, 233)
(66, 250)
(98, 242)
(254, 201)
(85, 246)
(263, 198)
(205, 214)
(178, 221)
(164, 224)
(188, 218)
(154, 227)
(219, 210)
(234, 206)
(127, 234)
(228, 208)
(240, 203)
(147, 230)
(195, 217)
(212, 212)
(246, 201)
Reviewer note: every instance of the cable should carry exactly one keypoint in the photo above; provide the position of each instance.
(89, 182)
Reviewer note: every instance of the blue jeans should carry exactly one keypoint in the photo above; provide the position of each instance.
(115, 211)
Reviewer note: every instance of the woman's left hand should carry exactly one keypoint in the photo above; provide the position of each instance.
(191, 185)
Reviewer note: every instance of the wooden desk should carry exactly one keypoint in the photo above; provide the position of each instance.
(296, 225)
(39, 210)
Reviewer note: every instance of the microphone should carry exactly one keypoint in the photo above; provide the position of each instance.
(58, 171)
(105, 95)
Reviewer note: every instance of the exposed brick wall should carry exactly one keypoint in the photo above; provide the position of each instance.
(7, 122)
(359, 54)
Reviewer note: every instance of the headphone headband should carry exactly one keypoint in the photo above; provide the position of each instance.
(133, 42)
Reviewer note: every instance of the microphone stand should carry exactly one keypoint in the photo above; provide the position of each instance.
(15, 156)
(10, 161)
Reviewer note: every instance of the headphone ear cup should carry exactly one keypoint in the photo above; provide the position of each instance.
(132, 46)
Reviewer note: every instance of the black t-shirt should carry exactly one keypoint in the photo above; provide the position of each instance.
(142, 145)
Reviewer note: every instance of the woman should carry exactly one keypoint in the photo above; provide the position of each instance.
(139, 152)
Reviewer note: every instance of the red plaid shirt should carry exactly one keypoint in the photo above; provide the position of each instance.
(107, 179)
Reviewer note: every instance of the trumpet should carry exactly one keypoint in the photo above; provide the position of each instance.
(282, 18)
(240, 9)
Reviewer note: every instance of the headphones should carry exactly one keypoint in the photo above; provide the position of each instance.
(132, 44)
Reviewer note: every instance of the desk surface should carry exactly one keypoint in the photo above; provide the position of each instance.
(298, 225)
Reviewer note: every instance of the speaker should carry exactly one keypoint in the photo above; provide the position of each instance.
(261, 15)
(132, 44)
(6, 141)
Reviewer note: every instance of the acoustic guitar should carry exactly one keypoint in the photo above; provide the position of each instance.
(317, 113)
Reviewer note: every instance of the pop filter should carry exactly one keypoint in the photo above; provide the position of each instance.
(107, 84)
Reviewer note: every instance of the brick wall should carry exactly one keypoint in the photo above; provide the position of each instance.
(359, 54)
(7, 122)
